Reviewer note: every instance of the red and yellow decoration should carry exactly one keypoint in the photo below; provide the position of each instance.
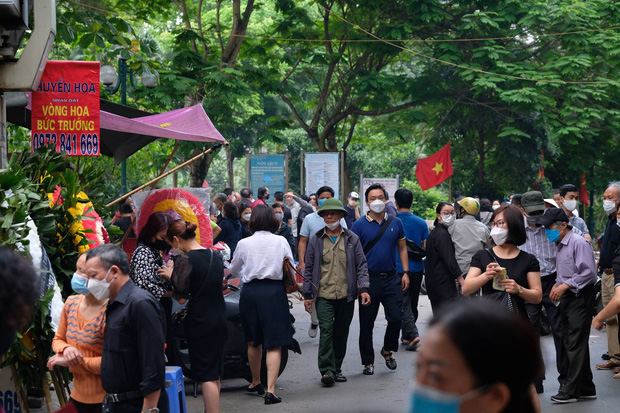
(183, 203)
(87, 219)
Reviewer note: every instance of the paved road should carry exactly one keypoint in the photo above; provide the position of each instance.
(386, 391)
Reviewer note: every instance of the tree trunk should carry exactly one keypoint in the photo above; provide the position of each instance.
(200, 168)
(348, 186)
(229, 162)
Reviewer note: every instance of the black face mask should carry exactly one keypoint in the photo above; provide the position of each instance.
(266, 197)
(7, 337)
(161, 245)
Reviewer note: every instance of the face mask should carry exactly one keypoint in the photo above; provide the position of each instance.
(499, 235)
(266, 197)
(7, 337)
(377, 206)
(570, 205)
(100, 289)
(531, 220)
(177, 250)
(246, 217)
(428, 399)
(233, 199)
(290, 204)
(447, 220)
(333, 225)
(280, 216)
(495, 207)
(161, 245)
(78, 283)
(553, 235)
(321, 202)
(609, 206)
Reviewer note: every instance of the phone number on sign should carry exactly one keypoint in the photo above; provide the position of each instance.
(88, 143)
(10, 401)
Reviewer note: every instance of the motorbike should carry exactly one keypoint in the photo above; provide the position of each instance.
(236, 363)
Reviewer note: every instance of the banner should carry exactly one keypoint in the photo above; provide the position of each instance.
(322, 169)
(390, 185)
(65, 108)
(267, 171)
(9, 400)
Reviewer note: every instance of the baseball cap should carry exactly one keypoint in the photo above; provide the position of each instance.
(552, 215)
(354, 195)
(532, 201)
(471, 206)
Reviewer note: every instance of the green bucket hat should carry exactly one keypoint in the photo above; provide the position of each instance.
(331, 204)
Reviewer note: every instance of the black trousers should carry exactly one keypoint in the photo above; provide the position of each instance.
(553, 315)
(576, 316)
(135, 405)
(410, 306)
(386, 291)
(87, 407)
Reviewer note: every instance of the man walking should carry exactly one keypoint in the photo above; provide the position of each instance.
(312, 224)
(133, 363)
(569, 202)
(574, 289)
(335, 268)
(382, 236)
(611, 241)
(468, 235)
(278, 198)
(416, 230)
(537, 244)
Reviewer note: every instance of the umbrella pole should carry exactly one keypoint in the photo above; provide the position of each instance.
(167, 162)
(162, 176)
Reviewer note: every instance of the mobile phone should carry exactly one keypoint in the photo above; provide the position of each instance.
(501, 275)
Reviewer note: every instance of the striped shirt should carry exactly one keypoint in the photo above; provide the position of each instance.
(87, 337)
(538, 245)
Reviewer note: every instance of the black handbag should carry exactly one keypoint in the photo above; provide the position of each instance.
(414, 251)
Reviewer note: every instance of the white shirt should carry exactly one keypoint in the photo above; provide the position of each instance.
(294, 214)
(260, 257)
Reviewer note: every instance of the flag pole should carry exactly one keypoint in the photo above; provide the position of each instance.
(450, 189)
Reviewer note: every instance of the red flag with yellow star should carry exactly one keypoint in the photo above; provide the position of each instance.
(435, 169)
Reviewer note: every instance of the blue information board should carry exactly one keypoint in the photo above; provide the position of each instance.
(268, 171)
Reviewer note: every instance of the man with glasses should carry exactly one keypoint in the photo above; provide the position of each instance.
(537, 244)
(133, 362)
(335, 269)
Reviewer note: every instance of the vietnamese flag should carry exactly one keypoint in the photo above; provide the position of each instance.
(433, 170)
(583, 191)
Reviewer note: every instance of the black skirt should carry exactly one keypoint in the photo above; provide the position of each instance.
(265, 314)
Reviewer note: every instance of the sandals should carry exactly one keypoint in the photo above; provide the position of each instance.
(390, 361)
(369, 370)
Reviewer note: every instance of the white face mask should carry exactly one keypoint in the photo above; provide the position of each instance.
(499, 235)
(609, 206)
(571, 205)
(333, 225)
(100, 289)
(177, 250)
(448, 220)
(246, 217)
(233, 199)
(280, 216)
(377, 206)
(496, 207)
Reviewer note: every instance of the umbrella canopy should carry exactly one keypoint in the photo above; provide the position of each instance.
(126, 130)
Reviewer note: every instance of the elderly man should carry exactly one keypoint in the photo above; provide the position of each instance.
(335, 267)
(133, 363)
(574, 289)
(611, 242)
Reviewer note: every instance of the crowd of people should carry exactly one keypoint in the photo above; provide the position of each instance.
(521, 256)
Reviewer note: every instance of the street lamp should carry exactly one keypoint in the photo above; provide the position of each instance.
(114, 82)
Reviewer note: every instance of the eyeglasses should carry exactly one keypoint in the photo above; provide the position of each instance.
(498, 224)
(447, 215)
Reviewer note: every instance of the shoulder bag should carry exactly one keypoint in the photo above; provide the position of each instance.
(504, 297)
(384, 228)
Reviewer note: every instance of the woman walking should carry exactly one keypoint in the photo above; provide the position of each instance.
(78, 342)
(263, 304)
(505, 272)
(442, 270)
(206, 318)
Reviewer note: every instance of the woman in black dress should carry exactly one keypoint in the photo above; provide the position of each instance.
(522, 269)
(442, 270)
(206, 318)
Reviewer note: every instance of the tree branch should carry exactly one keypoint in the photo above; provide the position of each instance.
(346, 143)
(219, 26)
(296, 114)
(386, 111)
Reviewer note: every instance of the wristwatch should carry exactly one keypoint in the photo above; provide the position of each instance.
(520, 290)
(151, 410)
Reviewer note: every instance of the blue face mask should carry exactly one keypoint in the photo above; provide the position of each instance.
(78, 283)
(321, 202)
(553, 235)
(428, 399)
